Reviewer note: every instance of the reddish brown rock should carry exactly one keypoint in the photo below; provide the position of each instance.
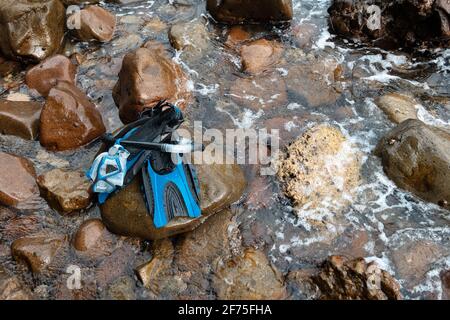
(31, 30)
(148, 76)
(236, 36)
(46, 74)
(259, 55)
(248, 11)
(95, 23)
(93, 239)
(68, 119)
(343, 279)
(37, 252)
(11, 287)
(17, 180)
(67, 191)
(20, 118)
(260, 93)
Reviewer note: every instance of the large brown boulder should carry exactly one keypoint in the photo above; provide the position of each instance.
(402, 24)
(31, 30)
(20, 118)
(17, 180)
(125, 212)
(148, 76)
(46, 74)
(95, 23)
(416, 157)
(68, 119)
(250, 11)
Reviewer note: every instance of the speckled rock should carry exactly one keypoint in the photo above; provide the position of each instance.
(31, 30)
(416, 157)
(20, 118)
(67, 191)
(125, 212)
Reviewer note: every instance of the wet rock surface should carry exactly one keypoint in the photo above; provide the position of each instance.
(191, 37)
(20, 118)
(46, 74)
(235, 11)
(31, 30)
(125, 212)
(17, 180)
(67, 191)
(398, 107)
(95, 23)
(11, 287)
(400, 24)
(68, 119)
(148, 76)
(92, 239)
(416, 157)
(257, 56)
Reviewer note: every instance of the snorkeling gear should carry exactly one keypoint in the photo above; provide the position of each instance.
(150, 147)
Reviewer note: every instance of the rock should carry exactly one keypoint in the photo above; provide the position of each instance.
(403, 23)
(341, 279)
(249, 11)
(93, 239)
(191, 37)
(304, 33)
(148, 76)
(31, 30)
(20, 226)
(259, 55)
(95, 23)
(69, 120)
(37, 252)
(125, 213)
(11, 287)
(413, 260)
(236, 36)
(17, 180)
(398, 107)
(251, 277)
(445, 278)
(416, 157)
(46, 74)
(20, 118)
(260, 93)
(321, 167)
(313, 79)
(67, 191)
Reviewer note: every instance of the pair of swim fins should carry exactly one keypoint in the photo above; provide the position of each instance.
(149, 147)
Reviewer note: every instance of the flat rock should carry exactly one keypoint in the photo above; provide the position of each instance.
(249, 11)
(20, 118)
(17, 180)
(259, 55)
(125, 212)
(69, 120)
(398, 107)
(31, 30)
(416, 157)
(46, 74)
(67, 191)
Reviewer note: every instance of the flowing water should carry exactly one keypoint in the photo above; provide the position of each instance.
(381, 218)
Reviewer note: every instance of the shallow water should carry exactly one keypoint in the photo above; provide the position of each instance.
(387, 216)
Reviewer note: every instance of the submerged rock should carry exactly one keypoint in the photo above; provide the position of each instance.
(250, 277)
(320, 166)
(46, 74)
(250, 11)
(36, 252)
(95, 23)
(148, 76)
(398, 107)
(11, 287)
(69, 120)
(66, 191)
(125, 212)
(341, 279)
(17, 180)
(31, 30)
(92, 239)
(400, 24)
(416, 157)
(259, 55)
(20, 118)
(191, 37)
